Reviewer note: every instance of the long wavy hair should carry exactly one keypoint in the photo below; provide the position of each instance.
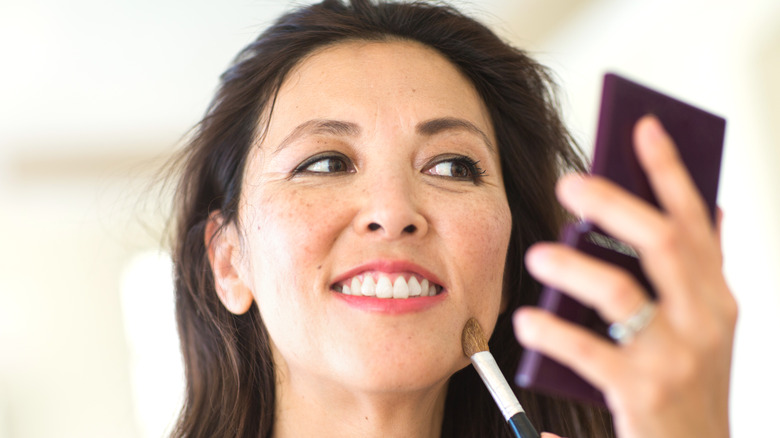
(230, 379)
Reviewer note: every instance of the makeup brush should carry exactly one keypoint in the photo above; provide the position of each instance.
(475, 346)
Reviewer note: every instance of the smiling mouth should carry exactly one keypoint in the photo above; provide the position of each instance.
(382, 285)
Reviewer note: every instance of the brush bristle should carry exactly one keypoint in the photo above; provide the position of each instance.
(472, 339)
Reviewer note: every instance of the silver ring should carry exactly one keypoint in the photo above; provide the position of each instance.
(624, 332)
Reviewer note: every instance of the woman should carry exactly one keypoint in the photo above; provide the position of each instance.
(367, 178)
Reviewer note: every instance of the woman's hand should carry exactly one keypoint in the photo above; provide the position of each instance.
(672, 379)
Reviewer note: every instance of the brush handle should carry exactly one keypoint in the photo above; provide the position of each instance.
(521, 426)
(505, 398)
(496, 384)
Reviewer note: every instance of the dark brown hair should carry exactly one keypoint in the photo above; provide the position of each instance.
(229, 370)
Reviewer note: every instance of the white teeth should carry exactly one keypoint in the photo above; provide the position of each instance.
(414, 287)
(400, 289)
(384, 289)
(424, 288)
(367, 288)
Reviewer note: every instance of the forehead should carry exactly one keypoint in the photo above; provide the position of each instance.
(374, 82)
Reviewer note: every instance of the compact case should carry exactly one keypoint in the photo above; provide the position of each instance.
(699, 139)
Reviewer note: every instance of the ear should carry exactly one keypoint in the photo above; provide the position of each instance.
(222, 247)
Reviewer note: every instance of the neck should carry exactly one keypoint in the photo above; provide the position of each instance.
(305, 408)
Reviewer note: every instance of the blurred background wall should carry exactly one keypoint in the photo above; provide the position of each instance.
(95, 95)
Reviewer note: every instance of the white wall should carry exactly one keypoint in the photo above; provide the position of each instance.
(92, 92)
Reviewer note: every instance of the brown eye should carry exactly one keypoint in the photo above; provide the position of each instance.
(327, 165)
(459, 168)
(451, 169)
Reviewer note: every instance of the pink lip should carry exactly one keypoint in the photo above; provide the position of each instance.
(391, 306)
(389, 267)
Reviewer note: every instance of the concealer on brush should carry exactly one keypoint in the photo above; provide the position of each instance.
(475, 346)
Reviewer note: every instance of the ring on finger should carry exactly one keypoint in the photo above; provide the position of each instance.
(624, 332)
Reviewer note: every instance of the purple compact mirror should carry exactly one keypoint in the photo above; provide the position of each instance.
(699, 139)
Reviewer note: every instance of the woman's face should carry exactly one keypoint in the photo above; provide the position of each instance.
(379, 173)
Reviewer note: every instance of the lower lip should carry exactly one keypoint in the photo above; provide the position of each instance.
(391, 306)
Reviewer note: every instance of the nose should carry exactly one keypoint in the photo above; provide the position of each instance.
(389, 211)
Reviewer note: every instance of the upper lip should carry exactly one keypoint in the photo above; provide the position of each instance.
(389, 267)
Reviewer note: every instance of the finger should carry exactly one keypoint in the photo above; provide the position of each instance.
(672, 184)
(613, 292)
(594, 358)
(612, 208)
(664, 254)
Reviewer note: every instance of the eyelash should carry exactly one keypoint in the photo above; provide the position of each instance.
(476, 173)
(302, 168)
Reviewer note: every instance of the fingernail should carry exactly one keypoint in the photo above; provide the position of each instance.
(527, 326)
(653, 128)
(571, 183)
(520, 317)
(536, 259)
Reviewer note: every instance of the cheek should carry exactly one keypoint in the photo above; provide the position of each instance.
(290, 236)
(291, 226)
(479, 251)
(484, 233)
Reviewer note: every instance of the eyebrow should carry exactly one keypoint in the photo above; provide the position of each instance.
(435, 126)
(426, 128)
(320, 126)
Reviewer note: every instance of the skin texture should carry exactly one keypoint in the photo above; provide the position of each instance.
(672, 380)
(391, 197)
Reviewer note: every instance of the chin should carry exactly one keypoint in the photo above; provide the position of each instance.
(403, 370)
(400, 382)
